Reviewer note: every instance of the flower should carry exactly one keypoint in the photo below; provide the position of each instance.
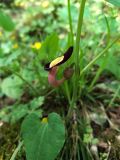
(0, 34)
(60, 60)
(15, 46)
(20, 4)
(52, 67)
(13, 37)
(45, 4)
(36, 45)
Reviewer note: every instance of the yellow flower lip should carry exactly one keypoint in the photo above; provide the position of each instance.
(36, 45)
(56, 61)
(60, 60)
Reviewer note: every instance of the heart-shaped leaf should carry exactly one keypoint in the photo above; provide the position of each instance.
(43, 140)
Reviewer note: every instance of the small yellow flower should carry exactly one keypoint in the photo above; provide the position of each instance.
(13, 37)
(20, 4)
(36, 45)
(118, 42)
(45, 120)
(45, 4)
(15, 46)
(0, 34)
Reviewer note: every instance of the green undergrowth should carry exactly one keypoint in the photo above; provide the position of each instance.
(39, 121)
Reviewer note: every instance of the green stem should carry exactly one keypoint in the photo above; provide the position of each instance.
(105, 59)
(16, 151)
(99, 55)
(77, 48)
(70, 21)
(108, 30)
(76, 59)
(98, 74)
(67, 89)
(67, 92)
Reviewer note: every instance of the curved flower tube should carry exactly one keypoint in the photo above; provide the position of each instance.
(52, 77)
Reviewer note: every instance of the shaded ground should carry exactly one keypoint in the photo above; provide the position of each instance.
(105, 124)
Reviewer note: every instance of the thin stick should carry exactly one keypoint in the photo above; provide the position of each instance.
(16, 150)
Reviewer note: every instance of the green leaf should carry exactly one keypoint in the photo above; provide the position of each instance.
(28, 74)
(18, 112)
(8, 60)
(36, 102)
(95, 141)
(38, 112)
(112, 64)
(49, 47)
(12, 87)
(6, 22)
(63, 14)
(114, 2)
(43, 140)
(4, 114)
(87, 138)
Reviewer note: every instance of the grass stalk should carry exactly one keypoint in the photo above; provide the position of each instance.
(105, 59)
(67, 92)
(76, 57)
(98, 74)
(70, 21)
(108, 29)
(16, 151)
(99, 55)
(77, 49)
